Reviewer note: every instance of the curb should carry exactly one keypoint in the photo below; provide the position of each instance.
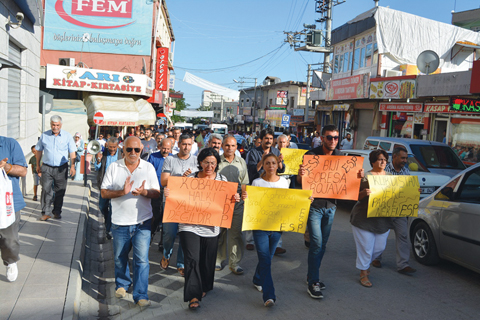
(71, 307)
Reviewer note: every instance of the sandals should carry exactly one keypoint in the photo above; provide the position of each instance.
(164, 263)
(204, 294)
(194, 304)
(181, 271)
(365, 282)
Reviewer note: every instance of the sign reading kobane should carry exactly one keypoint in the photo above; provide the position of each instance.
(274, 209)
(200, 201)
(332, 177)
(393, 196)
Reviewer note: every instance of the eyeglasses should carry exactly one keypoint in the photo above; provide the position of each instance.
(137, 150)
(211, 164)
(382, 160)
(329, 137)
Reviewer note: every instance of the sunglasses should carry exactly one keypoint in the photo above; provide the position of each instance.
(329, 137)
(137, 150)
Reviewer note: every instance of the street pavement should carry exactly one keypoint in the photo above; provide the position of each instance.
(50, 285)
(445, 291)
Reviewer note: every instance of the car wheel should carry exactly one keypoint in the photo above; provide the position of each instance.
(423, 245)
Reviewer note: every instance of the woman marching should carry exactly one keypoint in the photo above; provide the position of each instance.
(370, 234)
(199, 243)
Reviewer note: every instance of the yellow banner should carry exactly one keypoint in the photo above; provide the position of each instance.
(274, 209)
(393, 196)
(292, 158)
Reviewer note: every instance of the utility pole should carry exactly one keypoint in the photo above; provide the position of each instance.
(254, 101)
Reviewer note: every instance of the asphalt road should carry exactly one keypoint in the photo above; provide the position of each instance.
(445, 291)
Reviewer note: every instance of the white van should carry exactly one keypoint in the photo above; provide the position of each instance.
(219, 128)
(184, 125)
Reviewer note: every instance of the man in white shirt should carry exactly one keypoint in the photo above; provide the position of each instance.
(347, 143)
(131, 182)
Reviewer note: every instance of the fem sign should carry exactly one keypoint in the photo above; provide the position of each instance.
(105, 26)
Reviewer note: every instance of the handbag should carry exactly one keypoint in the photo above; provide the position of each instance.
(7, 211)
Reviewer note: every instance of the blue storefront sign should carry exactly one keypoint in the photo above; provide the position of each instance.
(105, 26)
(286, 120)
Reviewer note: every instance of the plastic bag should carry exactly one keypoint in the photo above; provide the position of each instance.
(7, 211)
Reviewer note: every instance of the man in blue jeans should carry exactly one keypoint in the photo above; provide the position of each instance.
(131, 183)
(320, 217)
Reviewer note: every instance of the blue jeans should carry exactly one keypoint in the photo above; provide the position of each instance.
(319, 225)
(266, 243)
(124, 238)
(105, 207)
(169, 235)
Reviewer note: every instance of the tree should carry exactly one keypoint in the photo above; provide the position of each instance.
(180, 105)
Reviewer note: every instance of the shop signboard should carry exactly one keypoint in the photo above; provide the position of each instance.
(392, 89)
(113, 26)
(341, 107)
(354, 87)
(295, 120)
(274, 115)
(464, 105)
(401, 107)
(298, 112)
(282, 98)
(247, 111)
(442, 108)
(162, 76)
(81, 79)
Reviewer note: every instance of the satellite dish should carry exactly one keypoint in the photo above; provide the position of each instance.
(428, 61)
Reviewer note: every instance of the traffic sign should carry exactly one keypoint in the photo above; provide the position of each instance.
(286, 120)
(98, 118)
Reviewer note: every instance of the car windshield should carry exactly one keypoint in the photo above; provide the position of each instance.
(437, 157)
(221, 131)
(414, 165)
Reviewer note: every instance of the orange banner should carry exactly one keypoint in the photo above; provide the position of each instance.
(332, 177)
(200, 201)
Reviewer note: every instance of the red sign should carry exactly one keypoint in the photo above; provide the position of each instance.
(474, 83)
(161, 81)
(402, 107)
(157, 97)
(99, 8)
(98, 118)
(176, 95)
(354, 87)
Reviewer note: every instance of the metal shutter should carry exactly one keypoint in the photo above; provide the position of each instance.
(13, 111)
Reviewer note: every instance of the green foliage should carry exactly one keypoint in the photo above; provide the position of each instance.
(180, 105)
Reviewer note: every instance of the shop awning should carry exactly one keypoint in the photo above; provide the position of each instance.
(119, 110)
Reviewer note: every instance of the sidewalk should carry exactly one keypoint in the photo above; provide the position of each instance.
(49, 280)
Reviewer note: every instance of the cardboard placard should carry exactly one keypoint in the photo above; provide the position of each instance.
(200, 201)
(332, 177)
(393, 196)
(275, 209)
(292, 158)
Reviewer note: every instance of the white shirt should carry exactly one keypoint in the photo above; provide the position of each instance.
(316, 142)
(281, 183)
(129, 209)
(193, 152)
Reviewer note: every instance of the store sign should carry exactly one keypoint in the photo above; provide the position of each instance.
(298, 112)
(295, 120)
(341, 107)
(247, 111)
(465, 105)
(104, 26)
(282, 98)
(161, 79)
(437, 108)
(274, 115)
(401, 107)
(176, 95)
(355, 87)
(81, 79)
(392, 89)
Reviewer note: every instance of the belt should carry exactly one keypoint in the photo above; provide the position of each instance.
(63, 165)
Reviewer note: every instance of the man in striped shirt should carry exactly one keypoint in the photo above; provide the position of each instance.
(400, 225)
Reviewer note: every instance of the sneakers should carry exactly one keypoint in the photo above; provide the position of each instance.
(12, 272)
(44, 217)
(143, 303)
(315, 291)
(407, 270)
(120, 293)
(269, 303)
(237, 270)
(259, 288)
(321, 284)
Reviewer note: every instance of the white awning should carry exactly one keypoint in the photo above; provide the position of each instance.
(119, 110)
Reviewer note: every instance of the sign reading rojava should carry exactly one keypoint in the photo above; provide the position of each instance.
(81, 79)
(98, 118)
(332, 177)
(105, 26)
(465, 105)
(161, 81)
(401, 107)
(200, 201)
(348, 88)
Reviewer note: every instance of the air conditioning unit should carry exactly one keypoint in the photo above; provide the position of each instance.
(67, 62)
(393, 73)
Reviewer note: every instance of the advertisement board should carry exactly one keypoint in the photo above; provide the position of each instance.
(282, 98)
(82, 79)
(162, 77)
(392, 89)
(355, 87)
(401, 107)
(113, 26)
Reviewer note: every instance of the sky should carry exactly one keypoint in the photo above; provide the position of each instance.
(223, 40)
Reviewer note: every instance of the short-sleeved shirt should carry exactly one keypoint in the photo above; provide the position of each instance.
(391, 169)
(177, 167)
(236, 171)
(281, 183)
(33, 162)
(56, 148)
(149, 145)
(345, 144)
(10, 148)
(129, 209)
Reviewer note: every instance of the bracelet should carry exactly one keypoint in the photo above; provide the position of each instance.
(11, 167)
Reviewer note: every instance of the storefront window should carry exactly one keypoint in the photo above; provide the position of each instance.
(402, 125)
(464, 139)
(356, 59)
(368, 56)
(362, 57)
(335, 66)
(346, 61)
(340, 64)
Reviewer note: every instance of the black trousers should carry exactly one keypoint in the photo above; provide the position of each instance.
(9, 242)
(54, 179)
(200, 255)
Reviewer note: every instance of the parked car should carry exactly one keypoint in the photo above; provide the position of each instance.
(434, 156)
(429, 182)
(241, 145)
(448, 222)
